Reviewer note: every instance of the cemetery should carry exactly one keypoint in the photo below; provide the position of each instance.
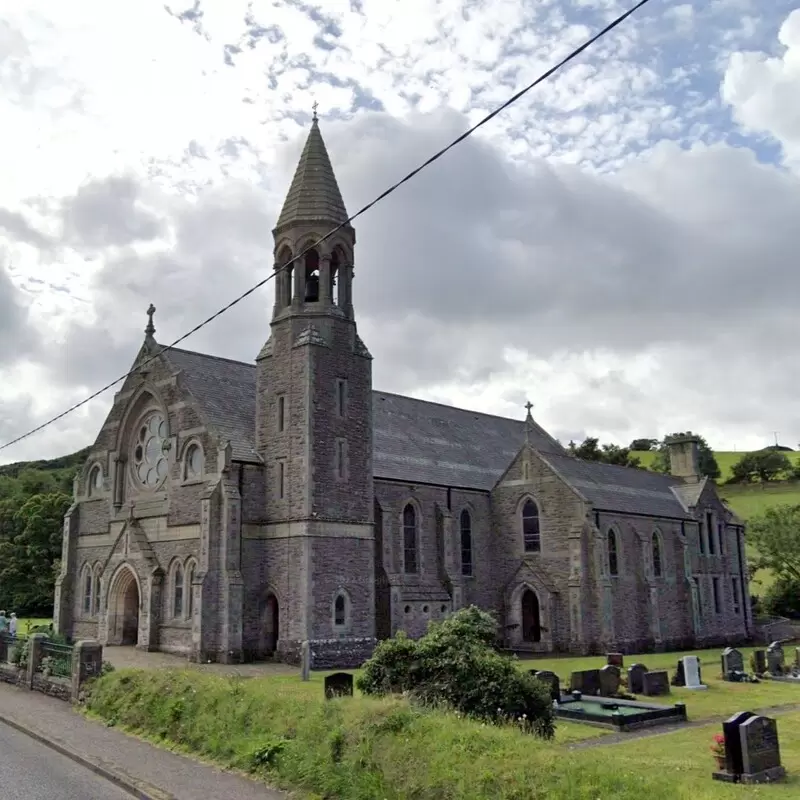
(383, 731)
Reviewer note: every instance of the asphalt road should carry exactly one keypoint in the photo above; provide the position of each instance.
(31, 771)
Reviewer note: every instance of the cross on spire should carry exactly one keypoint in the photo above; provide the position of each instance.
(528, 407)
(314, 107)
(150, 329)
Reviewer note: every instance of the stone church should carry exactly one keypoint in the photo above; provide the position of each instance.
(231, 511)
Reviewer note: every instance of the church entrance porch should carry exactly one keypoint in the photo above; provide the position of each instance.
(529, 616)
(123, 609)
(531, 621)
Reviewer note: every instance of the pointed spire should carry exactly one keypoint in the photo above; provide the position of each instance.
(528, 422)
(150, 330)
(314, 195)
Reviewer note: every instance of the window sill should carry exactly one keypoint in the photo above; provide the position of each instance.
(193, 481)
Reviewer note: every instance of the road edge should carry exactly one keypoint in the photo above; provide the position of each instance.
(137, 789)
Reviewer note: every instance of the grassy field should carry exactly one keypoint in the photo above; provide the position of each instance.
(281, 729)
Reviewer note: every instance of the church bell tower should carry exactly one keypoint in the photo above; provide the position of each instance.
(314, 428)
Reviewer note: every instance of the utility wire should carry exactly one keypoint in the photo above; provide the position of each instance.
(511, 100)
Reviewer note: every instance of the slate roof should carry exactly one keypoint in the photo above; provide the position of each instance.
(314, 194)
(418, 441)
(624, 489)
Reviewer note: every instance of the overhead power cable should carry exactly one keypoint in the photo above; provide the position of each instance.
(511, 100)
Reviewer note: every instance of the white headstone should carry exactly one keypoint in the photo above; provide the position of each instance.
(691, 672)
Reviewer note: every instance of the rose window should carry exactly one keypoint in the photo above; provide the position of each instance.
(149, 457)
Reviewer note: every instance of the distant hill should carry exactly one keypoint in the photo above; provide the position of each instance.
(52, 465)
(26, 478)
(725, 458)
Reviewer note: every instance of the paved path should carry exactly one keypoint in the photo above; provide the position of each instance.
(157, 774)
(31, 771)
(122, 657)
(665, 730)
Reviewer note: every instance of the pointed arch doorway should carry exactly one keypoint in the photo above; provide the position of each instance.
(270, 625)
(123, 608)
(531, 617)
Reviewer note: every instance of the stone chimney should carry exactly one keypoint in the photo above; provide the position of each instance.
(684, 456)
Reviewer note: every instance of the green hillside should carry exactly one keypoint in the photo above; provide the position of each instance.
(725, 458)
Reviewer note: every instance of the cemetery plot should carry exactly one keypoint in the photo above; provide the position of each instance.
(752, 751)
(620, 715)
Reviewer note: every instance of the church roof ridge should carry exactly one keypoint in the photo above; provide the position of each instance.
(314, 194)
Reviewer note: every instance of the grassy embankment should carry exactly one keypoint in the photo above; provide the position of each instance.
(362, 748)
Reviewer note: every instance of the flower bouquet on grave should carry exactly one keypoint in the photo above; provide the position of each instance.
(718, 750)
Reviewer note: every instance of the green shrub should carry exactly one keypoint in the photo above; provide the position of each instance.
(454, 665)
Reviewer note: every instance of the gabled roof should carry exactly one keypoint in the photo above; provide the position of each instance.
(417, 441)
(314, 194)
(625, 489)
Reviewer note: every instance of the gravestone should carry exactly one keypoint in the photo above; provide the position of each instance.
(691, 671)
(732, 661)
(758, 662)
(551, 679)
(615, 660)
(797, 656)
(609, 680)
(733, 742)
(586, 681)
(655, 683)
(775, 659)
(679, 678)
(305, 661)
(761, 755)
(636, 678)
(340, 684)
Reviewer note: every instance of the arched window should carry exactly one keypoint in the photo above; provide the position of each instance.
(284, 277)
(656, 556)
(191, 568)
(466, 543)
(87, 582)
(177, 592)
(613, 557)
(335, 283)
(410, 539)
(193, 465)
(340, 610)
(96, 589)
(312, 276)
(531, 532)
(95, 484)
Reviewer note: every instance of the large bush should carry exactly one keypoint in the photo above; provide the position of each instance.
(455, 665)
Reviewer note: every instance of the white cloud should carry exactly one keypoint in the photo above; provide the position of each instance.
(630, 284)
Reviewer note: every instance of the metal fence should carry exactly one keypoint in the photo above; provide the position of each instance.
(55, 660)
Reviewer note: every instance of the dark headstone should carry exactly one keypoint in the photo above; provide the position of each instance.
(586, 681)
(759, 662)
(551, 679)
(733, 744)
(775, 661)
(679, 678)
(655, 683)
(761, 756)
(732, 661)
(636, 678)
(340, 684)
(615, 660)
(609, 680)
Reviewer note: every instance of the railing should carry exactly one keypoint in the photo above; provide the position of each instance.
(55, 660)
(13, 649)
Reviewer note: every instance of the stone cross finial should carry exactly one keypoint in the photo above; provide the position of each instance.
(529, 406)
(314, 108)
(150, 329)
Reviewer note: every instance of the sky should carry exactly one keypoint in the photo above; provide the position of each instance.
(619, 247)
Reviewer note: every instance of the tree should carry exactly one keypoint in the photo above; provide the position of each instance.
(707, 463)
(775, 535)
(590, 450)
(764, 465)
(30, 550)
(643, 445)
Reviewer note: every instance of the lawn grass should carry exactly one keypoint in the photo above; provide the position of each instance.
(281, 729)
